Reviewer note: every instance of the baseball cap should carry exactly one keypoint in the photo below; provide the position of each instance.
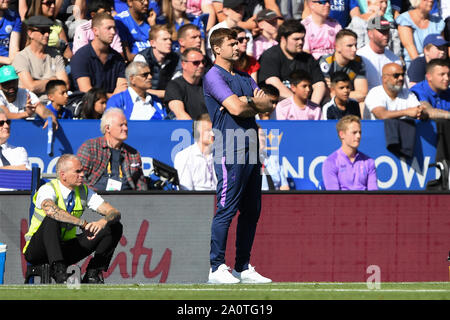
(435, 39)
(267, 14)
(39, 22)
(232, 4)
(7, 73)
(378, 23)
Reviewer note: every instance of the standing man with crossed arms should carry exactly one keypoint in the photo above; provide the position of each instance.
(233, 99)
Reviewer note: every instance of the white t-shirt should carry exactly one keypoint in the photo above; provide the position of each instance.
(47, 192)
(377, 97)
(142, 110)
(195, 171)
(21, 100)
(375, 62)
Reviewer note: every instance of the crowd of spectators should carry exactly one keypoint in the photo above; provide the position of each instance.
(317, 59)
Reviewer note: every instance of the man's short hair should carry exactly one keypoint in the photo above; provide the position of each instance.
(184, 55)
(98, 19)
(196, 124)
(218, 36)
(61, 164)
(289, 27)
(298, 76)
(107, 118)
(436, 62)
(184, 29)
(133, 69)
(344, 33)
(156, 29)
(51, 86)
(345, 121)
(339, 76)
(269, 89)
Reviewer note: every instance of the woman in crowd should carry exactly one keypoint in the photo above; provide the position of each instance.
(414, 25)
(246, 63)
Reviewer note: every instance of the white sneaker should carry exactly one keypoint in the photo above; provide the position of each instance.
(250, 276)
(222, 276)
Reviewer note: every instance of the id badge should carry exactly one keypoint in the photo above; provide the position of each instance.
(113, 185)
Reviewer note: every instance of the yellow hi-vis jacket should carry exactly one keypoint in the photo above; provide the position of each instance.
(68, 231)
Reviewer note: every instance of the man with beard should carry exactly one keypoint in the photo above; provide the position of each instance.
(278, 62)
(19, 103)
(391, 100)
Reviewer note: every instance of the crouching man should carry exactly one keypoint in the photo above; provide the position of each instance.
(52, 236)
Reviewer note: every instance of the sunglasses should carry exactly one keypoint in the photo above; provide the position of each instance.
(397, 75)
(144, 75)
(2, 122)
(322, 2)
(48, 3)
(241, 39)
(42, 30)
(197, 62)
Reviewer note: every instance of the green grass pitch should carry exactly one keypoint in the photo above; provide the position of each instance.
(273, 291)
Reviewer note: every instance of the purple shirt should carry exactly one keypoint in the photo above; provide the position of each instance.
(339, 173)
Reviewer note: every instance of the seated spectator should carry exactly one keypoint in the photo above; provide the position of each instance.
(245, 63)
(57, 94)
(320, 29)
(19, 103)
(359, 25)
(11, 157)
(278, 62)
(57, 37)
(391, 100)
(93, 104)
(184, 95)
(345, 59)
(414, 25)
(163, 62)
(274, 96)
(434, 47)
(375, 54)
(174, 15)
(233, 11)
(133, 28)
(195, 164)
(267, 21)
(341, 104)
(273, 176)
(108, 162)
(10, 31)
(435, 89)
(38, 63)
(348, 168)
(83, 32)
(136, 102)
(97, 64)
(298, 107)
(122, 5)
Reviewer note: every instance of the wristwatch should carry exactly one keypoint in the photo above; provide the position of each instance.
(83, 224)
(250, 101)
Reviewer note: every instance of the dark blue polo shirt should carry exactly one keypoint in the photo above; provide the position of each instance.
(424, 92)
(85, 63)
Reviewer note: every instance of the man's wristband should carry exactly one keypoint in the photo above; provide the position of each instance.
(83, 224)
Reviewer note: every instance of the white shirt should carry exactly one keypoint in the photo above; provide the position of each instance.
(15, 155)
(21, 100)
(47, 192)
(377, 97)
(195, 171)
(142, 109)
(375, 62)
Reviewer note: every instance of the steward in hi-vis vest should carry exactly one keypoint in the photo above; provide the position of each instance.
(52, 236)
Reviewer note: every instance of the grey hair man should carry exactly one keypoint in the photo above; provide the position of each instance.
(136, 102)
(108, 162)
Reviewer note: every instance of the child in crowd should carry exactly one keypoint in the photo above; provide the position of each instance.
(298, 106)
(93, 104)
(274, 94)
(267, 21)
(340, 105)
(57, 94)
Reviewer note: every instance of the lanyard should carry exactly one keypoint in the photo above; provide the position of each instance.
(110, 172)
